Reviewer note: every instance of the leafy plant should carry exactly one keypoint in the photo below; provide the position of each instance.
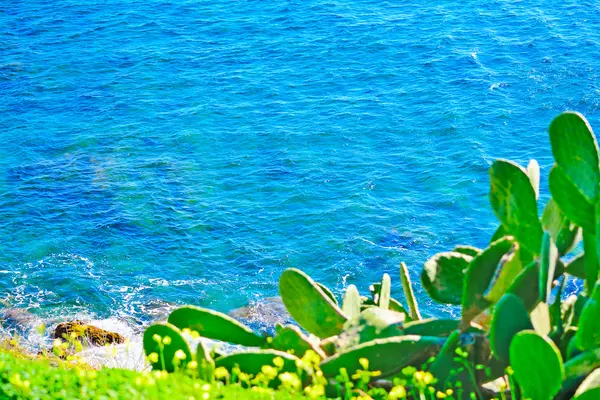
(513, 315)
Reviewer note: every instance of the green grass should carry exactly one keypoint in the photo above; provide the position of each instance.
(23, 378)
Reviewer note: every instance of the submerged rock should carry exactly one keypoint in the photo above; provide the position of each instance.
(93, 334)
(18, 321)
(269, 311)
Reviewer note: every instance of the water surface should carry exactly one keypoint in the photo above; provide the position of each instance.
(168, 152)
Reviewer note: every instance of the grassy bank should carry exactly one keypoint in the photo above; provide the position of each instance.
(30, 378)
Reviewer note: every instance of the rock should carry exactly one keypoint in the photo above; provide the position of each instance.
(18, 321)
(94, 335)
(269, 311)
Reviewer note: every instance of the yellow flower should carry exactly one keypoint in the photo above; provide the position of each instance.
(278, 362)
(364, 363)
(269, 372)
(156, 338)
(290, 381)
(192, 365)
(221, 373)
(153, 357)
(311, 357)
(397, 392)
(315, 391)
(180, 355)
(167, 340)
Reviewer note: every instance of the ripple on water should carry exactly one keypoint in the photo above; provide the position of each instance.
(188, 152)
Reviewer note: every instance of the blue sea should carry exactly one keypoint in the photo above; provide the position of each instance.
(155, 153)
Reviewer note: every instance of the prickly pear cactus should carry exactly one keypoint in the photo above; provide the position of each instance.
(548, 259)
(575, 177)
(537, 365)
(252, 361)
(161, 342)
(513, 200)
(385, 292)
(409, 293)
(206, 365)
(443, 276)
(309, 306)
(386, 355)
(437, 327)
(352, 301)
(526, 286)
(510, 318)
(214, 325)
(328, 292)
(588, 333)
(290, 339)
(444, 361)
(480, 274)
(589, 388)
(372, 323)
(467, 250)
(565, 233)
(507, 270)
(533, 172)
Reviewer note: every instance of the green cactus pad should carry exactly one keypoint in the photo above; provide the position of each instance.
(513, 200)
(437, 327)
(468, 250)
(214, 325)
(571, 202)
(500, 232)
(309, 306)
(168, 353)
(590, 264)
(395, 305)
(479, 276)
(525, 286)
(206, 365)
(328, 292)
(566, 235)
(352, 302)
(444, 360)
(588, 334)
(374, 289)
(443, 275)
(590, 387)
(388, 356)
(385, 292)
(576, 152)
(328, 346)
(533, 172)
(290, 339)
(576, 267)
(537, 365)
(548, 257)
(409, 293)
(372, 323)
(581, 365)
(507, 270)
(251, 362)
(510, 318)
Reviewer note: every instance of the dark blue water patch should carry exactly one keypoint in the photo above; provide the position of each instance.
(191, 151)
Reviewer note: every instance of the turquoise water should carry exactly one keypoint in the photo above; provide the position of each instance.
(188, 151)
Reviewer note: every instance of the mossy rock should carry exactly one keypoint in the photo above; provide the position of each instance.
(94, 335)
